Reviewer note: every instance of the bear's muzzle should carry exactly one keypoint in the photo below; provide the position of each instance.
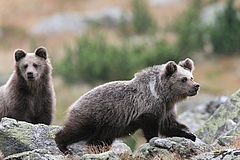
(30, 76)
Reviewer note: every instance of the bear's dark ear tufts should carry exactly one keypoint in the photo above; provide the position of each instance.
(187, 64)
(41, 52)
(19, 54)
(171, 67)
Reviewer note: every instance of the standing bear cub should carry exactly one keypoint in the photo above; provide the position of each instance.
(119, 108)
(28, 95)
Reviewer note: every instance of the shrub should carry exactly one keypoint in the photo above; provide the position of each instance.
(189, 30)
(225, 33)
(92, 59)
(142, 21)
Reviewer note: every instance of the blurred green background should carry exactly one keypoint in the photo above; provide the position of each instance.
(96, 41)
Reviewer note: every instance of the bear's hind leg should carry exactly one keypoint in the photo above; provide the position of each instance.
(68, 136)
(63, 140)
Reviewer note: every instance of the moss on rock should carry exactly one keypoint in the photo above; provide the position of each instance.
(219, 123)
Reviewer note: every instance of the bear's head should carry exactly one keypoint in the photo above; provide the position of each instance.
(179, 79)
(31, 66)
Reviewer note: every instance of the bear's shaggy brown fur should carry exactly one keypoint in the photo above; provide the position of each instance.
(28, 95)
(119, 108)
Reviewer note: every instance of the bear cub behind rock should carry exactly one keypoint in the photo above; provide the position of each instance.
(119, 108)
(28, 95)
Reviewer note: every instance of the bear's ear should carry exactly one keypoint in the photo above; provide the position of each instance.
(19, 54)
(187, 64)
(41, 52)
(170, 68)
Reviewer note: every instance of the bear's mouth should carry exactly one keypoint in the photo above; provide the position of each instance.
(193, 93)
(195, 90)
(30, 76)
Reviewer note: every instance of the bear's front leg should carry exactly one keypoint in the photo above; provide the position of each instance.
(149, 125)
(180, 130)
(170, 127)
(45, 116)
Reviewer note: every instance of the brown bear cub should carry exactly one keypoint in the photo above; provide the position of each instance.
(119, 108)
(28, 95)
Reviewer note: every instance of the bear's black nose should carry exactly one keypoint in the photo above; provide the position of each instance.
(30, 75)
(196, 86)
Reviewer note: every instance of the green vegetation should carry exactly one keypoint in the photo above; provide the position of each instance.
(93, 59)
(189, 30)
(142, 22)
(225, 33)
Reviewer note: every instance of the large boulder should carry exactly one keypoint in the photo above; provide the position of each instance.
(25, 140)
(195, 115)
(218, 155)
(224, 121)
(39, 154)
(171, 148)
(18, 137)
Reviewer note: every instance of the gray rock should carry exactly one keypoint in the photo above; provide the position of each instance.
(163, 2)
(110, 155)
(229, 154)
(120, 148)
(22, 139)
(195, 116)
(226, 140)
(77, 22)
(224, 121)
(183, 147)
(39, 154)
(214, 104)
(18, 136)
(60, 22)
(209, 13)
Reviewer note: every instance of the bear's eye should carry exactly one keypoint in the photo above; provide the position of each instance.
(25, 66)
(184, 79)
(35, 65)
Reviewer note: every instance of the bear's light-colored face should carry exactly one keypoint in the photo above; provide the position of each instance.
(180, 79)
(31, 65)
(183, 82)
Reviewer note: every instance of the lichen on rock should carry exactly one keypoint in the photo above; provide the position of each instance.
(219, 123)
(19, 136)
(19, 140)
(182, 147)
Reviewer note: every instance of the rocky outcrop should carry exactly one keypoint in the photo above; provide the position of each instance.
(224, 121)
(181, 147)
(39, 154)
(218, 155)
(22, 139)
(196, 115)
(18, 137)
